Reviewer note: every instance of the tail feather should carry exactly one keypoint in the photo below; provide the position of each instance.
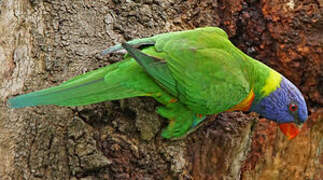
(85, 89)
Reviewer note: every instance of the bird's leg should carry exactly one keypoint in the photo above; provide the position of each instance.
(182, 121)
(197, 119)
(197, 122)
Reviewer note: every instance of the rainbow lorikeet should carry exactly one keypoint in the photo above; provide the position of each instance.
(192, 74)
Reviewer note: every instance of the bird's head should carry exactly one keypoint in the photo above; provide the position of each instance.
(286, 106)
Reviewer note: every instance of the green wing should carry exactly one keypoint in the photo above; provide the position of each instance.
(208, 74)
(212, 74)
(156, 67)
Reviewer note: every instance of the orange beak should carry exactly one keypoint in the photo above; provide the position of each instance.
(289, 129)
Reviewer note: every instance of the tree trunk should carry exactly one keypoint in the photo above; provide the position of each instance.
(43, 43)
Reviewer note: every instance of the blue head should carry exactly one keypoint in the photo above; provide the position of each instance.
(284, 105)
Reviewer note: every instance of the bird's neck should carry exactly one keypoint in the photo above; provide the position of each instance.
(266, 81)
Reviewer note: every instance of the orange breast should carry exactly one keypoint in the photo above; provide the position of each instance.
(245, 104)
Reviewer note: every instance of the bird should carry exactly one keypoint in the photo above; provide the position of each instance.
(191, 74)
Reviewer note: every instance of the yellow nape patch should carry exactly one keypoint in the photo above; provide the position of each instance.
(272, 83)
(245, 104)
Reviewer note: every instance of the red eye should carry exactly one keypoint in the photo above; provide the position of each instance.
(293, 107)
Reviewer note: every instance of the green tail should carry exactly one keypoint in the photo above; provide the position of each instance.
(108, 83)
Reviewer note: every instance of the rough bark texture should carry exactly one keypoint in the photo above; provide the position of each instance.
(43, 43)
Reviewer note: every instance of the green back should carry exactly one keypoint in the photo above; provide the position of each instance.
(211, 74)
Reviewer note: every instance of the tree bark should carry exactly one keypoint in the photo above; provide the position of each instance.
(43, 43)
